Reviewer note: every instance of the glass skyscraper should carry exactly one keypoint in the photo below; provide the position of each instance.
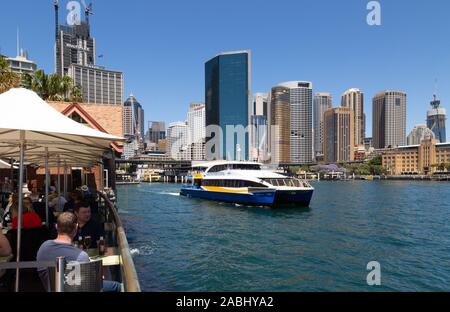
(436, 118)
(227, 99)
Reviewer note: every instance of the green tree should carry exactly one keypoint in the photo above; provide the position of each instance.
(8, 79)
(53, 87)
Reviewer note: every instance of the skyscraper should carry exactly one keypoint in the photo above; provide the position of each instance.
(436, 118)
(322, 102)
(197, 130)
(75, 57)
(301, 121)
(156, 133)
(74, 44)
(389, 119)
(339, 135)
(418, 134)
(178, 141)
(280, 120)
(133, 118)
(354, 99)
(227, 99)
(259, 132)
(98, 84)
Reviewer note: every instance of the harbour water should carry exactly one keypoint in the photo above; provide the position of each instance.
(182, 244)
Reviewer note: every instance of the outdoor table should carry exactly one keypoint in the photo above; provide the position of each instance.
(111, 257)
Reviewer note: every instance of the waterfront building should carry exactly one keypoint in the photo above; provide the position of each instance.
(281, 121)
(368, 144)
(389, 119)
(339, 135)
(421, 159)
(178, 141)
(197, 130)
(227, 99)
(104, 118)
(98, 84)
(436, 118)
(418, 134)
(322, 102)
(354, 99)
(299, 121)
(21, 64)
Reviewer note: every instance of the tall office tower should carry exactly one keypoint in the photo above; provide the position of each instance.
(301, 121)
(436, 118)
(259, 131)
(133, 118)
(178, 141)
(74, 44)
(156, 133)
(197, 130)
(418, 134)
(227, 99)
(322, 102)
(98, 84)
(75, 57)
(389, 119)
(280, 120)
(339, 135)
(354, 99)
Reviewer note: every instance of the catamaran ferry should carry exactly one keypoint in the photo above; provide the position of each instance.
(246, 183)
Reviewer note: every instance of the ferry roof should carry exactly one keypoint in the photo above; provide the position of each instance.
(223, 162)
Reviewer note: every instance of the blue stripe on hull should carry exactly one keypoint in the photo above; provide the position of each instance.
(299, 198)
(256, 199)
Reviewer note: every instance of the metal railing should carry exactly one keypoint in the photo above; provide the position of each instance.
(129, 274)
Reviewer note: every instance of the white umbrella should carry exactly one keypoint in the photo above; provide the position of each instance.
(28, 123)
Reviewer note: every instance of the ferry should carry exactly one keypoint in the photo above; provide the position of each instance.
(246, 183)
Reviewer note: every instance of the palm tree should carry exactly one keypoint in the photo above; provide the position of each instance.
(8, 79)
(53, 87)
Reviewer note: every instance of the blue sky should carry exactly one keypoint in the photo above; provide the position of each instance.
(161, 46)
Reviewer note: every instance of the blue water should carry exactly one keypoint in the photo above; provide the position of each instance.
(182, 244)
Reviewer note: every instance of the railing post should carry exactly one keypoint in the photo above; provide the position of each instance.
(59, 276)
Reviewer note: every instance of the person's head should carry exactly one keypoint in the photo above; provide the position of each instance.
(67, 224)
(83, 212)
(13, 198)
(27, 204)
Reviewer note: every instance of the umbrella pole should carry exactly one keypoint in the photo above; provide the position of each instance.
(19, 224)
(59, 185)
(101, 176)
(65, 179)
(47, 182)
(11, 179)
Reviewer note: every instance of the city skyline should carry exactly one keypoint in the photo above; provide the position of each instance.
(407, 64)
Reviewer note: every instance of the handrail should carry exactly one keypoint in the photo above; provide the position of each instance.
(130, 278)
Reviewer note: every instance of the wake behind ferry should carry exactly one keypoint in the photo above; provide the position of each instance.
(246, 183)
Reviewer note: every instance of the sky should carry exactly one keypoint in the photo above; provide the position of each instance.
(161, 46)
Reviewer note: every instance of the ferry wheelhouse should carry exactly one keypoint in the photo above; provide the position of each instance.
(246, 183)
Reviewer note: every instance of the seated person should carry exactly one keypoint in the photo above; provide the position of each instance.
(67, 227)
(5, 248)
(57, 202)
(75, 198)
(86, 225)
(5, 251)
(33, 235)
